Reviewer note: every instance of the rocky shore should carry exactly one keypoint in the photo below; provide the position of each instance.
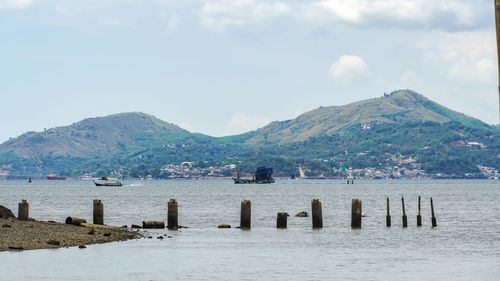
(18, 235)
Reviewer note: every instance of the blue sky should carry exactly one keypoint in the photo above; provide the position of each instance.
(224, 67)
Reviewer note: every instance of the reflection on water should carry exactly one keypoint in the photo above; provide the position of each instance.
(464, 246)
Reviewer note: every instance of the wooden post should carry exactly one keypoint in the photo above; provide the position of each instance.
(434, 223)
(281, 221)
(317, 214)
(388, 216)
(405, 219)
(98, 212)
(419, 217)
(173, 214)
(23, 210)
(246, 214)
(356, 213)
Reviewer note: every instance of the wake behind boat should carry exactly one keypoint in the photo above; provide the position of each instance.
(104, 181)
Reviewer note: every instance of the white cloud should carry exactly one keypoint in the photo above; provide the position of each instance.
(226, 13)
(348, 67)
(413, 14)
(173, 23)
(467, 57)
(410, 76)
(241, 122)
(186, 125)
(14, 4)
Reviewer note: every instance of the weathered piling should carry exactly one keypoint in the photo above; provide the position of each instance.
(405, 219)
(23, 210)
(173, 214)
(153, 224)
(281, 220)
(434, 222)
(388, 216)
(75, 221)
(356, 213)
(246, 214)
(419, 217)
(98, 212)
(317, 214)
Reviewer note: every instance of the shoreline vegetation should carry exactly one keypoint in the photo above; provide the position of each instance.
(16, 235)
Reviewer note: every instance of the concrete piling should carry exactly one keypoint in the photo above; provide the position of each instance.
(419, 217)
(281, 220)
(434, 222)
(405, 219)
(173, 214)
(98, 212)
(23, 210)
(246, 214)
(317, 214)
(388, 216)
(356, 213)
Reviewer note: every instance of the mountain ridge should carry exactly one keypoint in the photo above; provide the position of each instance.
(368, 133)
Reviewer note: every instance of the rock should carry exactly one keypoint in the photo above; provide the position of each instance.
(135, 226)
(159, 237)
(82, 247)
(302, 214)
(150, 237)
(224, 226)
(54, 243)
(6, 226)
(6, 213)
(107, 234)
(124, 226)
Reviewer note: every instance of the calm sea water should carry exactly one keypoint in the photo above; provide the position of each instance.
(464, 246)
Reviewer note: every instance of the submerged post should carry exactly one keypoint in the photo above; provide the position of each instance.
(419, 217)
(246, 214)
(388, 216)
(434, 222)
(173, 215)
(405, 219)
(317, 214)
(356, 213)
(98, 212)
(281, 220)
(23, 210)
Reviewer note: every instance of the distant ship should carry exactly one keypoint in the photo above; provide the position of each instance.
(263, 175)
(104, 181)
(55, 177)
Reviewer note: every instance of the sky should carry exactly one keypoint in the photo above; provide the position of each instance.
(223, 67)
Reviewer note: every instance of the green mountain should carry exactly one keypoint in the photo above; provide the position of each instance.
(400, 107)
(401, 130)
(96, 136)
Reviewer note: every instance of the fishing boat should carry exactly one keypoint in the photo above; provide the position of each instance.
(263, 175)
(104, 181)
(53, 176)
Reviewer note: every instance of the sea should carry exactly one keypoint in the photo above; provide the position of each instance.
(465, 245)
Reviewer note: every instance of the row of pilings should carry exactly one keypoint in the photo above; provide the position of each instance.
(245, 215)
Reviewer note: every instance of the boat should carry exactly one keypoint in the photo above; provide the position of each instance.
(104, 181)
(52, 176)
(263, 175)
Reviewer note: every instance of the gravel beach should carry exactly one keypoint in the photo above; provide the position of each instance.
(30, 235)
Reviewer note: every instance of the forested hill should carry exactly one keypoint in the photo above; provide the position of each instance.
(401, 130)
